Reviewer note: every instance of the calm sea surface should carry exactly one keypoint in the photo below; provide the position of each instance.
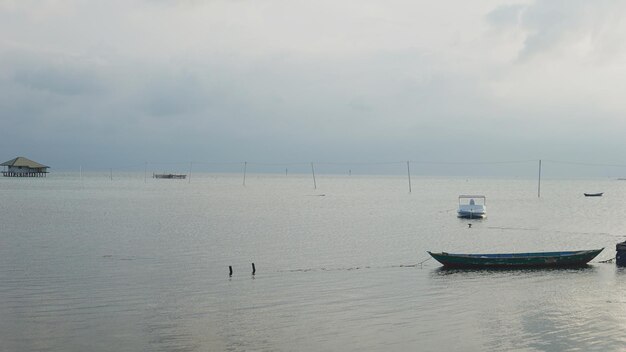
(94, 264)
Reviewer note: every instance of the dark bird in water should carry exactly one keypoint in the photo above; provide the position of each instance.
(469, 226)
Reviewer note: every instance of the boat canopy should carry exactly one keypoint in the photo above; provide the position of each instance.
(472, 197)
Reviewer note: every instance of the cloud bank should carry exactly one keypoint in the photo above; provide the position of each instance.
(103, 84)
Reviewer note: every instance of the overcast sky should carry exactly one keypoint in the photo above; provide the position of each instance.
(120, 82)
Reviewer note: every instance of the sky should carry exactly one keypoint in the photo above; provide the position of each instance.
(108, 84)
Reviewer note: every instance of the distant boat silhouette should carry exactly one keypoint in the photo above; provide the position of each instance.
(594, 194)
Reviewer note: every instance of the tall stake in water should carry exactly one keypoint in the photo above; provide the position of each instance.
(245, 167)
(313, 172)
(539, 182)
(408, 170)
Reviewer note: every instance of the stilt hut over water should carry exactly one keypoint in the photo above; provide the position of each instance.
(23, 167)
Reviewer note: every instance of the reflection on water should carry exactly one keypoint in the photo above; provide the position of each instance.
(512, 272)
(134, 266)
(541, 309)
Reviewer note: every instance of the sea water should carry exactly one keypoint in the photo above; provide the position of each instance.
(127, 263)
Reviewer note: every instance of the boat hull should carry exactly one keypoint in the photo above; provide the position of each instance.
(517, 260)
(594, 194)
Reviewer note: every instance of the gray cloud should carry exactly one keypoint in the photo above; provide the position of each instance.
(66, 80)
(548, 26)
(507, 15)
(175, 94)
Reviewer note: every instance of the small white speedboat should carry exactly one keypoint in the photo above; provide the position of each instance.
(472, 207)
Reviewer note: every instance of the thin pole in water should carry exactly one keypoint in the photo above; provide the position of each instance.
(253, 269)
(313, 172)
(245, 167)
(539, 182)
(408, 170)
(285, 172)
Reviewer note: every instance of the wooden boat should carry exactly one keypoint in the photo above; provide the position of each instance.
(517, 260)
(594, 194)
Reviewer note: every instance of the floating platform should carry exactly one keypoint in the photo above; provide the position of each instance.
(170, 176)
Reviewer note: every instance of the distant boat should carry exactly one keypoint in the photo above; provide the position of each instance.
(594, 194)
(517, 260)
(472, 207)
(170, 176)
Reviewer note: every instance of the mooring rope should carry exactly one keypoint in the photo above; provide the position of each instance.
(425, 260)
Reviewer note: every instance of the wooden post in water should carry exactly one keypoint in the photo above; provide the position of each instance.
(539, 182)
(253, 269)
(408, 170)
(313, 172)
(230, 270)
(245, 167)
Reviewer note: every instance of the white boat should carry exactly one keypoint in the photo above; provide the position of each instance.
(472, 207)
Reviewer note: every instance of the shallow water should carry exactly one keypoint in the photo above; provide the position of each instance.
(126, 265)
